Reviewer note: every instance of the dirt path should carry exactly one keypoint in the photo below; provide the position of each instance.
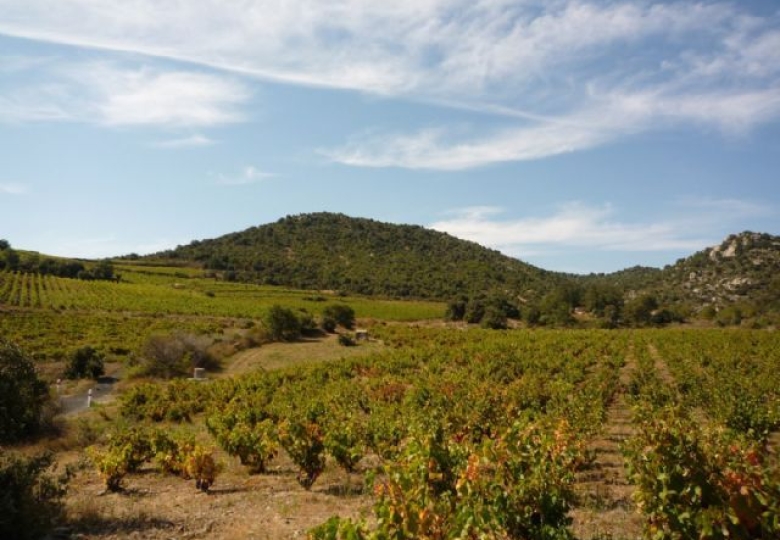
(101, 392)
(660, 366)
(305, 351)
(606, 508)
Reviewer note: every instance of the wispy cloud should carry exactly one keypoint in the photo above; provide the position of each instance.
(120, 94)
(13, 188)
(579, 73)
(192, 141)
(579, 225)
(133, 97)
(436, 149)
(249, 175)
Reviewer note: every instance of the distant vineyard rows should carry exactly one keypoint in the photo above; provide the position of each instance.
(164, 294)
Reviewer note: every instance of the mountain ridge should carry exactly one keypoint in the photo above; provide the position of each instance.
(331, 251)
(361, 255)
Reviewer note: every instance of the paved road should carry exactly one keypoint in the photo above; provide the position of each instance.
(101, 390)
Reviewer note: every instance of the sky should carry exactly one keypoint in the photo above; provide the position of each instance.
(579, 136)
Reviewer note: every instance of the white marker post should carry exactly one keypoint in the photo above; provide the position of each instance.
(89, 398)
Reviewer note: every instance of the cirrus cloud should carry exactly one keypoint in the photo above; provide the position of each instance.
(576, 73)
(579, 225)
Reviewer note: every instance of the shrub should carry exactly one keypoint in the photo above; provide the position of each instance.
(30, 498)
(200, 464)
(695, 482)
(303, 442)
(515, 486)
(494, 319)
(85, 362)
(23, 395)
(346, 340)
(169, 356)
(341, 314)
(282, 324)
(253, 440)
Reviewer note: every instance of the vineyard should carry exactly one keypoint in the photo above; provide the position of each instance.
(164, 293)
(435, 431)
(51, 315)
(483, 434)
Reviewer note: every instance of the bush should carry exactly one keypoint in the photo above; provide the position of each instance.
(456, 310)
(328, 324)
(341, 314)
(85, 362)
(346, 340)
(242, 433)
(23, 395)
(494, 318)
(695, 482)
(30, 498)
(169, 356)
(303, 442)
(282, 324)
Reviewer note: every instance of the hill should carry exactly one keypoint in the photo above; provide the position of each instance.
(327, 251)
(743, 270)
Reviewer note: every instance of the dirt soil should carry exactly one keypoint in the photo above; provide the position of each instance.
(605, 508)
(153, 506)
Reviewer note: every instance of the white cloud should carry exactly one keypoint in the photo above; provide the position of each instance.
(249, 175)
(587, 71)
(13, 188)
(579, 225)
(167, 98)
(115, 94)
(192, 141)
(431, 149)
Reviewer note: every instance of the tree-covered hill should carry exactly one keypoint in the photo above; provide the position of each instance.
(335, 252)
(744, 271)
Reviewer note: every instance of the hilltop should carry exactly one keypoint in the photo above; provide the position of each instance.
(735, 280)
(324, 251)
(743, 270)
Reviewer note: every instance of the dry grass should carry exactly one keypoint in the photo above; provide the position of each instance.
(271, 506)
(305, 351)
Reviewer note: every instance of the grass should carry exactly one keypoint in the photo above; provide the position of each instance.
(305, 352)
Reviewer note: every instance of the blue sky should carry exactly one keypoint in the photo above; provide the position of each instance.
(575, 135)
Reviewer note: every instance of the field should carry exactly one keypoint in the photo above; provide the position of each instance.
(52, 316)
(424, 431)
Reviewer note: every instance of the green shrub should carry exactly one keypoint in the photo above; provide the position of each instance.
(341, 314)
(175, 355)
(346, 340)
(23, 395)
(30, 498)
(282, 324)
(85, 362)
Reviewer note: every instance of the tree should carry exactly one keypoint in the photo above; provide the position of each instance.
(11, 261)
(282, 324)
(601, 298)
(23, 395)
(494, 318)
(639, 311)
(456, 310)
(4, 244)
(341, 314)
(475, 310)
(31, 500)
(556, 307)
(85, 362)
